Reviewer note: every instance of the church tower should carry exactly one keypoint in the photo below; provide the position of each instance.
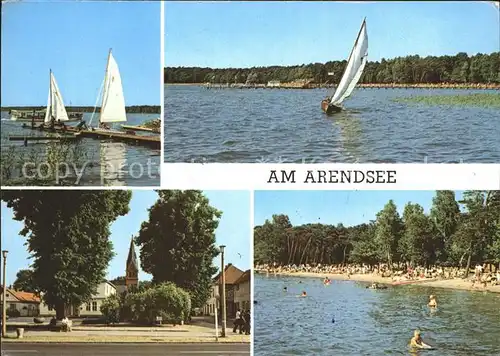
(132, 269)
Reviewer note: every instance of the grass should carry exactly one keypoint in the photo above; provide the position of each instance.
(479, 100)
(45, 163)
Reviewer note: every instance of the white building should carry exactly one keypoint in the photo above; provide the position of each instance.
(273, 84)
(91, 308)
(242, 291)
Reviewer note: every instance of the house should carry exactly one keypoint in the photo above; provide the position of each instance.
(21, 303)
(242, 291)
(232, 274)
(91, 308)
(273, 84)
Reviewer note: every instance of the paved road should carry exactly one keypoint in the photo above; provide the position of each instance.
(202, 349)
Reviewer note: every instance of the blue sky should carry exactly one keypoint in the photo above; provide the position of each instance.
(73, 38)
(348, 207)
(234, 231)
(246, 34)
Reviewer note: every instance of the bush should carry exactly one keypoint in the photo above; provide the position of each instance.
(167, 300)
(110, 308)
(14, 313)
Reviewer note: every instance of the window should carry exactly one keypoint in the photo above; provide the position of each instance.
(94, 306)
(12, 306)
(87, 308)
(237, 287)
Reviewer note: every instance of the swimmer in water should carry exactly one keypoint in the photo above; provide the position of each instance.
(304, 294)
(417, 342)
(432, 301)
(326, 280)
(285, 289)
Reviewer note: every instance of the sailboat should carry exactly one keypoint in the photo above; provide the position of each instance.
(355, 65)
(112, 100)
(56, 111)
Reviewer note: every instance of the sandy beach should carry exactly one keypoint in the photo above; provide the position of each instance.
(456, 283)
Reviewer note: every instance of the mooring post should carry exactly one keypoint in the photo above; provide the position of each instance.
(25, 141)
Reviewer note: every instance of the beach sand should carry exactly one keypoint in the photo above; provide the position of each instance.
(371, 278)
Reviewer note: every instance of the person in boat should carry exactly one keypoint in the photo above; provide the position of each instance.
(82, 125)
(375, 285)
(432, 301)
(102, 125)
(417, 341)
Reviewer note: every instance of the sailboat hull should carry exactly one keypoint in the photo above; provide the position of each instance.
(329, 108)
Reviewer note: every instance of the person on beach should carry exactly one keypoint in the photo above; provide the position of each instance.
(417, 342)
(432, 301)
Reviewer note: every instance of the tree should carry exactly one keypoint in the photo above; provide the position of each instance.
(387, 232)
(416, 244)
(167, 300)
(445, 214)
(110, 308)
(118, 280)
(24, 281)
(68, 238)
(177, 243)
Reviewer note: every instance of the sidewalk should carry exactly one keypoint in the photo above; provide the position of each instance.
(186, 333)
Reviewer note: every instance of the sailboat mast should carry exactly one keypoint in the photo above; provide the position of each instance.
(354, 46)
(105, 80)
(50, 93)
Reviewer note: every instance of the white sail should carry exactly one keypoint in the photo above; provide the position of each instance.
(113, 101)
(354, 69)
(55, 104)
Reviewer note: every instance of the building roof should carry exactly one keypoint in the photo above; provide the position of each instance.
(24, 297)
(245, 277)
(132, 257)
(232, 274)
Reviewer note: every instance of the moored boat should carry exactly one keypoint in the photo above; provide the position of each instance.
(112, 99)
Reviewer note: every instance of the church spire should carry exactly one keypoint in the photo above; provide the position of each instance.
(132, 268)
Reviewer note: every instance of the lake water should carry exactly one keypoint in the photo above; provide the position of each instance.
(261, 125)
(109, 163)
(370, 322)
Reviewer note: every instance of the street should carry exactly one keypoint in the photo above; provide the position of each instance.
(81, 349)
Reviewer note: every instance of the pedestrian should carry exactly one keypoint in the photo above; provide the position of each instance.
(247, 322)
(237, 322)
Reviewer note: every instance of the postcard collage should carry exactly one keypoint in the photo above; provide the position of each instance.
(250, 178)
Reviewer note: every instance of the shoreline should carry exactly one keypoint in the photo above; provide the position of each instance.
(479, 86)
(457, 284)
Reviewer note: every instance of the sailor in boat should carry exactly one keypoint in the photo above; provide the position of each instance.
(328, 107)
(82, 125)
(103, 126)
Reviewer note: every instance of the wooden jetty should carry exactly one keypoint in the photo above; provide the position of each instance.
(139, 128)
(127, 137)
(26, 138)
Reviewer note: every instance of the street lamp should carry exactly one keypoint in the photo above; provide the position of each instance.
(223, 296)
(4, 301)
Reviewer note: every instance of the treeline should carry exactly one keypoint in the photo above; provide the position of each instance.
(446, 237)
(481, 68)
(134, 109)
